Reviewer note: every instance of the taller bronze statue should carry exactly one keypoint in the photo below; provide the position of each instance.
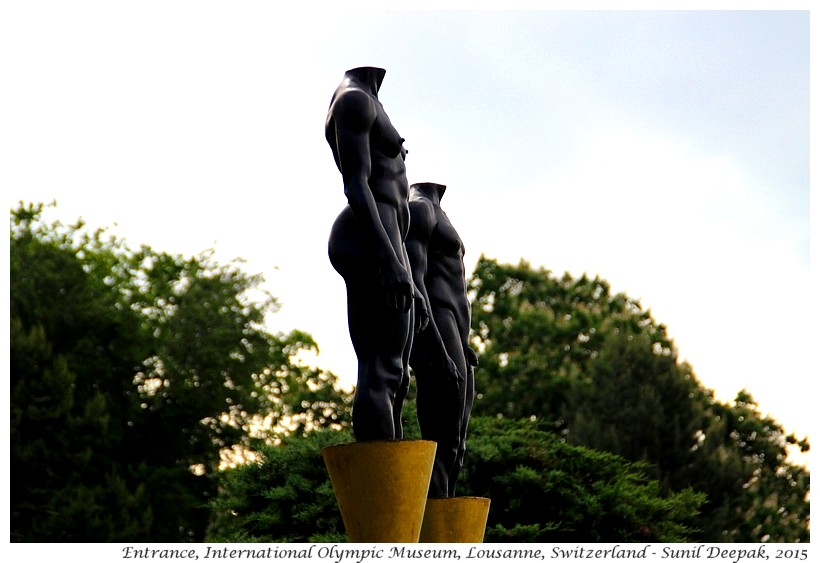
(441, 358)
(366, 247)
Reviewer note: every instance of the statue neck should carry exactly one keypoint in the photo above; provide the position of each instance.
(432, 191)
(369, 78)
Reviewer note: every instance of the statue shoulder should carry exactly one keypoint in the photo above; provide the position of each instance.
(353, 109)
(422, 214)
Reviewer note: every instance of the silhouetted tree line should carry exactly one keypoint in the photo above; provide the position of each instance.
(142, 383)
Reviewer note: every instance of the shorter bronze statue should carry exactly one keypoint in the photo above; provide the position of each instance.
(441, 357)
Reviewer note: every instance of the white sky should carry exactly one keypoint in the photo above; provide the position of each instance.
(667, 152)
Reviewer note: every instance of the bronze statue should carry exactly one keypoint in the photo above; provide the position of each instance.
(441, 358)
(366, 247)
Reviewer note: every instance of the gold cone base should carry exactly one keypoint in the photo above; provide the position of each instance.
(381, 487)
(455, 520)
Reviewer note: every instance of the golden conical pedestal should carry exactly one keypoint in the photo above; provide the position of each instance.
(381, 488)
(455, 520)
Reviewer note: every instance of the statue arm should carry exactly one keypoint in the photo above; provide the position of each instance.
(422, 221)
(429, 348)
(354, 114)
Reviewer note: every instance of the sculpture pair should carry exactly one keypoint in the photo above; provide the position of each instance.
(402, 262)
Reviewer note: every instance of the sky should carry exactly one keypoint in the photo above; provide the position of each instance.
(664, 151)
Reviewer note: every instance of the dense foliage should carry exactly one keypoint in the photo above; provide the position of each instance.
(283, 496)
(604, 374)
(132, 374)
(541, 490)
(535, 333)
(137, 377)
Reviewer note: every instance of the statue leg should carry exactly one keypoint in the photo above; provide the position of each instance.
(378, 333)
(440, 407)
(379, 337)
(469, 398)
(404, 386)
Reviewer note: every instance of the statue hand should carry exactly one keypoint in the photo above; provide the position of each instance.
(422, 312)
(397, 285)
(472, 357)
(455, 379)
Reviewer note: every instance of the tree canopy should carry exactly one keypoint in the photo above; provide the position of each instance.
(132, 374)
(598, 368)
(535, 333)
(139, 378)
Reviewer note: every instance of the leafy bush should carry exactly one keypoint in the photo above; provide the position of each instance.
(541, 489)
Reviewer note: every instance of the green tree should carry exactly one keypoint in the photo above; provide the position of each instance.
(283, 496)
(132, 374)
(545, 490)
(646, 406)
(535, 333)
(565, 350)
(541, 490)
(639, 404)
(71, 365)
(741, 461)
